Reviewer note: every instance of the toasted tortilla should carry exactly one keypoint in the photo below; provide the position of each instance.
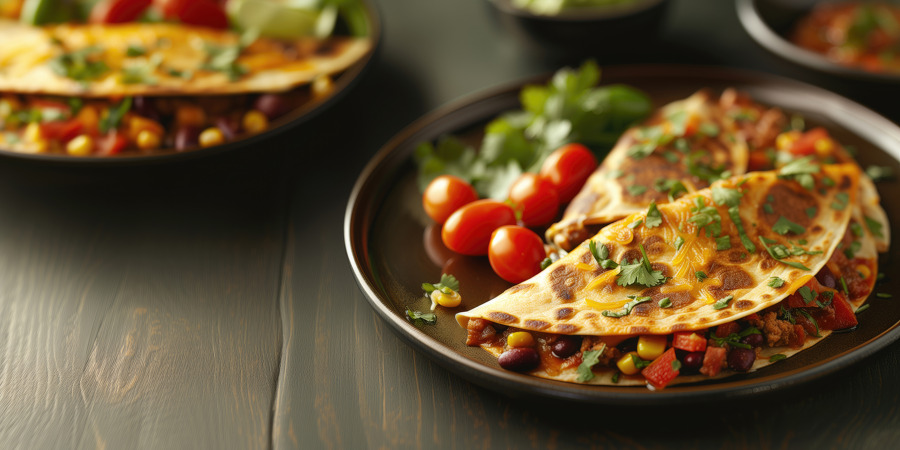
(701, 134)
(570, 296)
(165, 59)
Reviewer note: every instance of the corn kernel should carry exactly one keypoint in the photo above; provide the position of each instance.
(864, 271)
(450, 300)
(137, 124)
(824, 146)
(651, 346)
(189, 115)
(322, 87)
(89, 118)
(626, 364)
(33, 132)
(147, 140)
(520, 339)
(255, 121)
(82, 145)
(211, 136)
(784, 141)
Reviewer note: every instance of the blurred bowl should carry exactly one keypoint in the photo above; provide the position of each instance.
(630, 25)
(769, 22)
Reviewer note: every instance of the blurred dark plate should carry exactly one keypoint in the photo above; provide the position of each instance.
(629, 25)
(769, 21)
(342, 85)
(393, 249)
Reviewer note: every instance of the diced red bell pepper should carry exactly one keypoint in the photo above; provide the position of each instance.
(806, 144)
(727, 328)
(61, 130)
(842, 316)
(111, 144)
(118, 11)
(713, 361)
(689, 341)
(661, 371)
(799, 336)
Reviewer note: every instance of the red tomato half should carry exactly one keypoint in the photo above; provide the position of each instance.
(118, 11)
(536, 198)
(516, 253)
(444, 195)
(568, 168)
(468, 230)
(806, 144)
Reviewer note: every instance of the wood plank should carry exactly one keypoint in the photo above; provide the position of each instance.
(139, 310)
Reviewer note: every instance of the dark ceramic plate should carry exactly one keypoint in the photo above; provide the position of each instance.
(769, 21)
(299, 115)
(394, 249)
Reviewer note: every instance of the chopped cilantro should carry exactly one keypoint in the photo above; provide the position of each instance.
(654, 218)
(779, 252)
(635, 224)
(628, 307)
(734, 339)
(777, 357)
(862, 308)
(851, 250)
(615, 377)
(639, 272)
(673, 187)
(883, 295)
(723, 242)
(447, 284)
(679, 241)
(642, 150)
(588, 360)
(735, 214)
(811, 212)
(601, 255)
(844, 286)
(784, 226)
(709, 129)
(840, 201)
(856, 229)
(135, 50)
(114, 116)
(810, 318)
(676, 365)
(726, 196)
(701, 275)
(874, 226)
(670, 156)
(638, 362)
(636, 189)
(723, 302)
(807, 294)
(546, 263)
(776, 282)
(681, 144)
(420, 318)
(81, 65)
(800, 170)
(705, 217)
(665, 303)
(703, 170)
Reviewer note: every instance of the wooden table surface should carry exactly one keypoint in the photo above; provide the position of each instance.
(210, 304)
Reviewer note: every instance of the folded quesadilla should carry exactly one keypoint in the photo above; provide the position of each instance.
(740, 274)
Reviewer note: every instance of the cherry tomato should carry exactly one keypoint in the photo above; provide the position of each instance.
(536, 198)
(62, 130)
(468, 230)
(204, 13)
(444, 195)
(806, 144)
(568, 168)
(111, 144)
(118, 11)
(516, 253)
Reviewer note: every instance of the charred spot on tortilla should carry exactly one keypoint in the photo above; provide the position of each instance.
(503, 318)
(536, 324)
(735, 278)
(789, 201)
(743, 304)
(564, 313)
(565, 280)
(566, 328)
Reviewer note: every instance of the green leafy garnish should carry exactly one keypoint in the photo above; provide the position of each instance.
(883, 295)
(801, 170)
(776, 282)
(709, 129)
(779, 252)
(777, 357)
(615, 377)
(701, 275)
(811, 212)
(135, 50)
(635, 224)
(545, 263)
(420, 318)
(723, 302)
(679, 241)
(811, 319)
(601, 255)
(706, 217)
(723, 242)
(844, 286)
(114, 116)
(851, 249)
(639, 272)
(674, 188)
(447, 285)
(856, 229)
(588, 360)
(570, 108)
(703, 170)
(665, 303)
(880, 173)
(874, 226)
(807, 294)
(862, 308)
(841, 199)
(638, 362)
(735, 214)
(627, 307)
(654, 217)
(636, 189)
(784, 226)
(726, 196)
(81, 65)
(734, 339)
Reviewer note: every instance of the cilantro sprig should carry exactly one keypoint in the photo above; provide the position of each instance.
(734, 339)
(589, 359)
(801, 171)
(447, 285)
(778, 252)
(601, 255)
(419, 318)
(654, 217)
(784, 226)
(706, 218)
(636, 300)
(639, 272)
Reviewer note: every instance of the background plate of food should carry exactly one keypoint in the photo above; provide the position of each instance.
(855, 39)
(118, 81)
(748, 134)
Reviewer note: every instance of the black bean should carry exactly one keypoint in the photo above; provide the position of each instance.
(187, 137)
(826, 278)
(628, 345)
(144, 106)
(519, 359)
(741, 359)
(754, 340)
(692, 362)
(272, 105)
(566, 346)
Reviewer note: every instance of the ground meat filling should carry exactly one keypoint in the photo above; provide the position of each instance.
(479, 331)
(776, 331)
